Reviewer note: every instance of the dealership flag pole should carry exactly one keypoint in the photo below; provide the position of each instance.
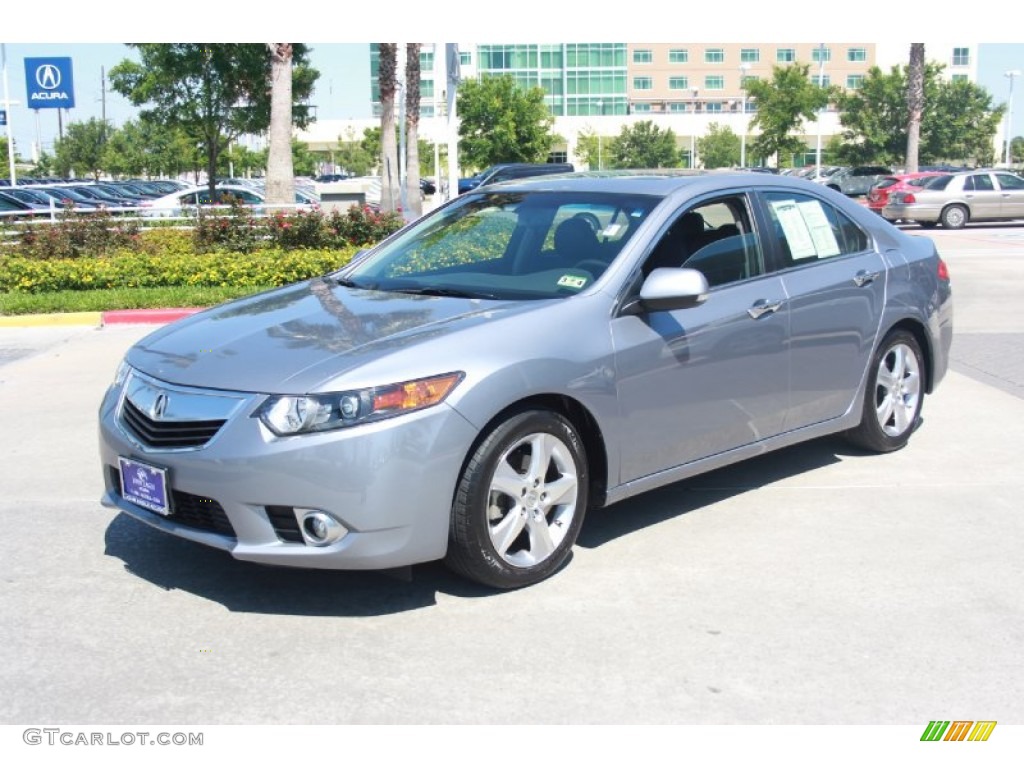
(7, 107)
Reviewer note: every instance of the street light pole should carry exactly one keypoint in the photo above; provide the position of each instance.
(1009, 113)
(743, 115)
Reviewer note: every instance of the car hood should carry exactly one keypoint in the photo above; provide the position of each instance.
(302, 337)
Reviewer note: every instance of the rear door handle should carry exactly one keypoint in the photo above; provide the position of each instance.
(763, 307)
(864, 277)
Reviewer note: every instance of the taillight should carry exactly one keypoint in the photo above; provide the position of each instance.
(909, 198)
(943, 270)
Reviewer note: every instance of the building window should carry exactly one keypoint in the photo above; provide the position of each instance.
(821, 54)
(714, 82)
(678, 56)
(642, 107)
(676, 106)
(856, 54)
(960, 78)
(713, 106)
(642, 84)
(465, 58)
(643, 56)
(961, 57)
(426, 61)
(853, 82)
(750, 55)
(785, 55)
(679, 83)
(824, 82)
(714, 56)
(426, 89)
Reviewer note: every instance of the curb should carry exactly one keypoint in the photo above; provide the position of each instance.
(99, 319)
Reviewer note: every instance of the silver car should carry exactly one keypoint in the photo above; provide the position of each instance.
(958, 198)
(470, 387)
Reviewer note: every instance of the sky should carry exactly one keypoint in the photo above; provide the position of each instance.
(343, 88)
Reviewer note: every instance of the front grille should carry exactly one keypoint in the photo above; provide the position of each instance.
(167, 434)
(189, 510)
(286, 526)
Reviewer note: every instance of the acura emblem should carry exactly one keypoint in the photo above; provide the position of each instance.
(48, 77)
(160, 406)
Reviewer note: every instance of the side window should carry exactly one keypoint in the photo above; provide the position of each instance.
(716, 238)
(981, 182)
(808, 229)
(1009, 181)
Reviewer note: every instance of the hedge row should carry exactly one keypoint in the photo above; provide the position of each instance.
(129, 269)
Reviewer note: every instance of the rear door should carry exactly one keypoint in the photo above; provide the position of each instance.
(1012, 190)
(835, 281)
(985, 200)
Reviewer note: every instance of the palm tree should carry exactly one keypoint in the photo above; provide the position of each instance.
(389, 197)
(412, 121)
(915, 104)
(280, 172)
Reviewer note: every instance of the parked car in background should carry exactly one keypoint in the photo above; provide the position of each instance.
(955, 199)
(878, 195)
(186, 200)
(469, 387)
(857, 180)
(507, 171)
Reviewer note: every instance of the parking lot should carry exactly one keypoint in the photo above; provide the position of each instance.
(816, 585)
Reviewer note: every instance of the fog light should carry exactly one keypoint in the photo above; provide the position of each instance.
(320, 529)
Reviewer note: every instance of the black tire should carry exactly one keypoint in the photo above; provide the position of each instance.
(954, 217)
(893, 395)
(520, 502)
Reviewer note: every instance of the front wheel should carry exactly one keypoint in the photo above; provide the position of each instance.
(893, 396)
(520, 502)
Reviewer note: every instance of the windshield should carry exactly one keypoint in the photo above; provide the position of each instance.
(511, 245)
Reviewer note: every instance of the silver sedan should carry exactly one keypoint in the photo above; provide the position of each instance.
(954, 200)
(470, 387)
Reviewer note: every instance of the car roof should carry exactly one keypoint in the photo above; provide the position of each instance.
(658, 183)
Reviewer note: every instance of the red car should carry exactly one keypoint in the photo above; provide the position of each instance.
(878, 195)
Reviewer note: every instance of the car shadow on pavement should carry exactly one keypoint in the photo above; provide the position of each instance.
(634, 514)
(176, 564)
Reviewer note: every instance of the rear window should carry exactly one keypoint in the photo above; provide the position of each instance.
(887, 182)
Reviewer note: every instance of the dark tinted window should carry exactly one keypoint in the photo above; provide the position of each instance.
(809, 230)
(979, 182)
(887, 182)
(938, 182)
(1009, 181)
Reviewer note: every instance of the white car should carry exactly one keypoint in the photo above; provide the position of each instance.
(186, 201)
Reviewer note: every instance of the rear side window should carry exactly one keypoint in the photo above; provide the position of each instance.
(808, 230)
(938, 182)
(981, 182)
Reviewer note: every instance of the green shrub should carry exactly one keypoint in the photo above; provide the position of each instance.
(130, 269)
(77, 234)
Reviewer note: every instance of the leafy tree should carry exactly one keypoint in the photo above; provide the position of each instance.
(1017, 150)
(502, 123)
(958, 121)
(144, 148)
(280, 170)
(783, 103)
(719, 147)
(81, 148)
(643, 145)
(212, 91)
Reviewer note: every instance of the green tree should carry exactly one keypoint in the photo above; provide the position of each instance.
(783, 104)
(144, 148)
(81, 148)
(1017, 150)
(213, 91)
(643, 145)
(502, 123)
(958, 121)
(719, 147)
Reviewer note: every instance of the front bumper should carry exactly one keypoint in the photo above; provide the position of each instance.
(389, 483)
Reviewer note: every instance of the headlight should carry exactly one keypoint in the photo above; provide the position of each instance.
(121, 373)
(297, 414)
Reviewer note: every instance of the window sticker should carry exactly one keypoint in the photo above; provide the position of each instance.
(572, 281)
(806, 228)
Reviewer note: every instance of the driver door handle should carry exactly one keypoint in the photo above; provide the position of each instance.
(763, 307)
(864, 277)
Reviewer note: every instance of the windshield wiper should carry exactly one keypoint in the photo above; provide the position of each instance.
(439, 291)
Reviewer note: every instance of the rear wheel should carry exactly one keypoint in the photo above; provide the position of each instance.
(520, 502)
(954, 217)
(893, 396)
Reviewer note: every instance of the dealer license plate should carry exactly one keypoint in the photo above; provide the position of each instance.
(144, 485)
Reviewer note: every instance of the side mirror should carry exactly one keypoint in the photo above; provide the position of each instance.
(673, 288)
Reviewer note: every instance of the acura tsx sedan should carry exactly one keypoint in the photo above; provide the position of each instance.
(467, 389)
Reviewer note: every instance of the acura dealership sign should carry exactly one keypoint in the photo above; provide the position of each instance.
(49, 82)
